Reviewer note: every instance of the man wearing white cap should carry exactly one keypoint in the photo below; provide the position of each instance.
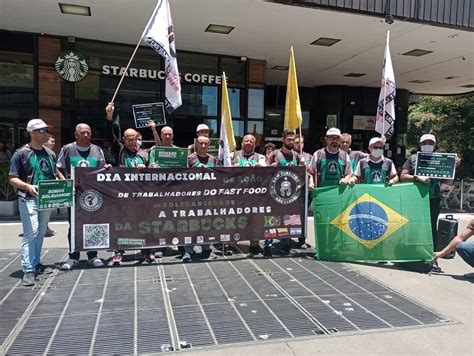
(201, 130)
(376, 169)
(427, 145)
(331, 165)
(30, 164)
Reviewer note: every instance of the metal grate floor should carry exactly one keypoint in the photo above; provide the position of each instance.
(173, 306)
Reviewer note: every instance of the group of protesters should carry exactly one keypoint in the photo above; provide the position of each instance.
(335, 164)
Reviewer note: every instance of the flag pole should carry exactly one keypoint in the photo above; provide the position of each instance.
(133, 54)
(384, 86)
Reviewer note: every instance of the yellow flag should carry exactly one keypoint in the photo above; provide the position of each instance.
(226, 138)
(293, 116)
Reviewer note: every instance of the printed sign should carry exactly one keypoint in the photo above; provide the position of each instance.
(123, 208)
(144, 113)
(170, 157)
(436, 165)
(361, 122)
(55, 193)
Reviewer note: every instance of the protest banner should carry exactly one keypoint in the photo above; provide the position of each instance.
(373, 222)
(123, 208)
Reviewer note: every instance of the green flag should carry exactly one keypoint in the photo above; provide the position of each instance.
(373, 222)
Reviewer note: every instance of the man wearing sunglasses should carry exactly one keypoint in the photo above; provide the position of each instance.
(30, 164)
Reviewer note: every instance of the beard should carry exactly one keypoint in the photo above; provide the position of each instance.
(289, 146)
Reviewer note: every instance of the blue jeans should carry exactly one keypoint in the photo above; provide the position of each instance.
(34, 223)
(466, 251)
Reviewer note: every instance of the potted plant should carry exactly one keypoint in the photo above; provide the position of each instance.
(8, 198)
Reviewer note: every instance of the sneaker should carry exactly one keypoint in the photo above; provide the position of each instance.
(150, 257)
(69, 265)
(42, 269)
(303, 245)
(267, 252)
(49, 232)
(469, 275)
(28, 279)
(117, 260)
(186, 258)
(95, 262)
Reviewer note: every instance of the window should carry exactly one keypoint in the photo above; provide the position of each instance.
(16, 84)
(198, 100)
(256, 104)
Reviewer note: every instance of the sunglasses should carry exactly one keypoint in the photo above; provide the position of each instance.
(42, 130)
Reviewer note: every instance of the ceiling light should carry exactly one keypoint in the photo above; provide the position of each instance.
(75, 9)
(354, 75)
(222, 29)
(325, 41)
(280, 68)
(452, 77)
(419, 81)
(467, 86)
(417, 52)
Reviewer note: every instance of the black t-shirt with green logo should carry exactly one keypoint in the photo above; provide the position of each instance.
(73, 156)
(375, 172)
(32, 166)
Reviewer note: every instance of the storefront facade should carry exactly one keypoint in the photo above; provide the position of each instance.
(31, 85)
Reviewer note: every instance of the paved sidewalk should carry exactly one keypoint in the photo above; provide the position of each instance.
(449, 294)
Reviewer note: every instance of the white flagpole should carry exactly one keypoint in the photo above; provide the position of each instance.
(385, 85)
(134, 52)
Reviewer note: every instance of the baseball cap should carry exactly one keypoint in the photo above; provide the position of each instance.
(428, 137)
(333, 132)
(375, 140)
(202, 127)
(36, 124)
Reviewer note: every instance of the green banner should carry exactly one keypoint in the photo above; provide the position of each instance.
(169, 157)
(55, 193)
(372, 222)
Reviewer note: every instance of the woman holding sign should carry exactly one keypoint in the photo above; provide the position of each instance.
(427, 145)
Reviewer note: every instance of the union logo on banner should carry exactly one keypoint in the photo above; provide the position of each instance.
(369, 221)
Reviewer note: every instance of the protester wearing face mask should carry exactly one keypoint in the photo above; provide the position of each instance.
(376, 169)
(427, 145)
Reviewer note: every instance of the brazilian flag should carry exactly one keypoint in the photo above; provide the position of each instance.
(373, 222)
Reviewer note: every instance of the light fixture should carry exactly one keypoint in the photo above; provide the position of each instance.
(222, 29)
(71, 9)
(325, 41)
(354, 75)
(417, 52)
(453, 77)
(280, 68)
(467, 86)
(419, 81)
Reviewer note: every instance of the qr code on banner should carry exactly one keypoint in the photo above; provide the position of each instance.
(95, 235)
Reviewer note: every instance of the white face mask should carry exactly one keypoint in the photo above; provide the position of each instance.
(427, 148)
(376, 152)
(139, 143)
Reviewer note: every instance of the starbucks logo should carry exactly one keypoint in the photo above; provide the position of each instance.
(285, 187)
(91, 200)
(71, 66)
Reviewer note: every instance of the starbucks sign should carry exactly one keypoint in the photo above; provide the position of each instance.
(71, 66)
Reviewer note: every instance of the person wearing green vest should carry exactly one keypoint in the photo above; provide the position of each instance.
(376, 169)
(331, 165)
(427, 145)
(31, 164)
(201, 159)
(128, 154)
(80, 153)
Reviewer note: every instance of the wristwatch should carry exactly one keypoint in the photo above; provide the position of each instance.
(415, 178)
